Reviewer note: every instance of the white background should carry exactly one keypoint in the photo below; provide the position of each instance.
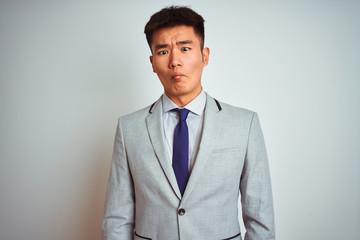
(69, 69)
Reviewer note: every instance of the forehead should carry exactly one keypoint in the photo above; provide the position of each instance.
(176, 33)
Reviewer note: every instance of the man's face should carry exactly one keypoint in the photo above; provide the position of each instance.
(178, 60)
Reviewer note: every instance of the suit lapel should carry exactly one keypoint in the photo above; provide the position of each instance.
(154, 123)
(211, 129)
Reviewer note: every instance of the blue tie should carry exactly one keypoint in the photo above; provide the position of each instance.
(181, 150)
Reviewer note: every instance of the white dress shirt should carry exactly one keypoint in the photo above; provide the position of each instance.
(194, 121)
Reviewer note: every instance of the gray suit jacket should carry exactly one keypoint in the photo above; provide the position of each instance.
(143, 199)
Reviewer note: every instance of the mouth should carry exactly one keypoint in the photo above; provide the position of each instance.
(177, 76)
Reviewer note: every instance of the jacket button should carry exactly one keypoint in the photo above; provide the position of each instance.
(181, 211)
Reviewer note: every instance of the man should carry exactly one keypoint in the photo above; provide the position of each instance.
(178, 165)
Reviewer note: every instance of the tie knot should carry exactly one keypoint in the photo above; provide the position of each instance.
(183, 113)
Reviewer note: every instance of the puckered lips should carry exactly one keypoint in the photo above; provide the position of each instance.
(176, 76)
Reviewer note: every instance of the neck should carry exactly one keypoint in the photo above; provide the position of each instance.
(183, 100)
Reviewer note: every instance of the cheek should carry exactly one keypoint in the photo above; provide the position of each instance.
(159, 64)
(197, 64)
(199, 59)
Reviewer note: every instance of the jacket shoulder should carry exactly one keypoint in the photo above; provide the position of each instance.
(235, 111)
(137, 115)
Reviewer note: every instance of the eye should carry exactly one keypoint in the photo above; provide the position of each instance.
(163, 52)
(185, 49)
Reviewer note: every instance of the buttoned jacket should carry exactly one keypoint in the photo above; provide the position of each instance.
(143, 199)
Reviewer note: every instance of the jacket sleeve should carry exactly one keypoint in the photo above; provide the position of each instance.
(255, 188)
(118, 220)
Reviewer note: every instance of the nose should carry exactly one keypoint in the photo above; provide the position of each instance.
(174, 60)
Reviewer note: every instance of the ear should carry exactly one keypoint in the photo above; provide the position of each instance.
(206, 54)
(151, 61)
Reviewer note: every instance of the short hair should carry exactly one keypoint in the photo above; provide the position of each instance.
(174, 16)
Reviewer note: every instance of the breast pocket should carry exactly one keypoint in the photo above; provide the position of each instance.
(227, 158)
(226, 150)
(224, 167)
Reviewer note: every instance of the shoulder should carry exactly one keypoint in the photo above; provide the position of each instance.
(139, 115)
(135, 117)
(232, 111)
(142, 113)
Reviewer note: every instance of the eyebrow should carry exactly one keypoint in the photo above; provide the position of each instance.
(184, 42)
(158, 46)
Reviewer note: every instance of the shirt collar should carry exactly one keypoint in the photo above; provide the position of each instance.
(196, 106)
